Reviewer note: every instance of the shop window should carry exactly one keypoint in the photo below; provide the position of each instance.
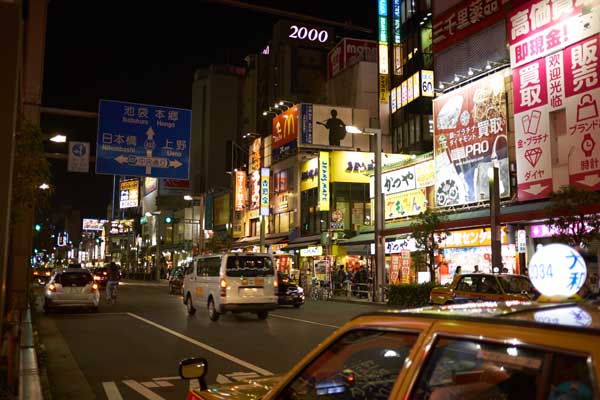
(254, 227)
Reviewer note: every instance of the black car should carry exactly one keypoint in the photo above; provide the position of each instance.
(101, 275)
(289, 293)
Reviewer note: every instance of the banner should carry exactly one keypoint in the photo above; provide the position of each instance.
(472, 238)
(470, 138)
(255, 158)
(129, 193)
(323, 181)
(309, 174)
(405, 267)
(240, 190)
(285, 131)
(395, 261)
(255, 190)
(264, 191)
(90, 224)
(150, 185)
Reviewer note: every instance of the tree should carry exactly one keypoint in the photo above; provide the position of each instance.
(570, 217)
(428, 235)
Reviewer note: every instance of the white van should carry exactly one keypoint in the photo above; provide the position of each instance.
(237, 282)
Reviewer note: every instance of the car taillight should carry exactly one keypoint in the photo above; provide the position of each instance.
(94, 286)
(97, 278)
(35, 273)
(52, 287)
(275, 283)
(105, 273)
(223, 285)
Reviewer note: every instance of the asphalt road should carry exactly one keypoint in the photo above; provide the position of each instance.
(131, 350)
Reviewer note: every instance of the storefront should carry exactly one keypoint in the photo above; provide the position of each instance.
(469, 247)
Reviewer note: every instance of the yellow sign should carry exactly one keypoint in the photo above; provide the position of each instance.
(324, 167)
(405, 204)
(150, 184)
(309, 174)
(355, 167)
(221, 209)
(264, 191)
(427, 83)
(472, 238)
(384, 92)
(129, 190)
(425, 174)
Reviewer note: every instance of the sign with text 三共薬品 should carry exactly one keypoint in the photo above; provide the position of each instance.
(143, 140)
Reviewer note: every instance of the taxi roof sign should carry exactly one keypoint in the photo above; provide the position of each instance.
(557, 270)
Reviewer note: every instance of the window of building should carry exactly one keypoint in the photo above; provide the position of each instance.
(282, 222)
(310, 218)
(254, 227)
(283, 181)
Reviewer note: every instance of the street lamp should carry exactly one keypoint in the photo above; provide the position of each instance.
(379, 238)
(44, 186)
(58, 138)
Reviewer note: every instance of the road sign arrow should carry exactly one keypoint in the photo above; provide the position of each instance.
(121, 159)
(175, 163)
(590, 180)
(150, 133)
(535, 189)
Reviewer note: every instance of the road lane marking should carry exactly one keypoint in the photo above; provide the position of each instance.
(304, 320)
(112, 391)
(150, 384)
(144, 391)
(207, 347)
(166, 378)
(221, 379)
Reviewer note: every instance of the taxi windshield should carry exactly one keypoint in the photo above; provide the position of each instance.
(515, 284)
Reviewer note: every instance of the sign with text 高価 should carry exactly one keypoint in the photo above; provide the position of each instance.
(143, 140)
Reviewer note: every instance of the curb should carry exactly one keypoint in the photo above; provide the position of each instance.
(368, 303)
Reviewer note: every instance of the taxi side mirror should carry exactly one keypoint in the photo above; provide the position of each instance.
(194, 368)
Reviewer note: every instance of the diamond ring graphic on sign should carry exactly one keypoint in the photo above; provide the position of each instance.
(533, 155)
(531, 122)
(587, 108)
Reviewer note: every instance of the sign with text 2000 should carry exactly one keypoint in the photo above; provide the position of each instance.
(143, 140)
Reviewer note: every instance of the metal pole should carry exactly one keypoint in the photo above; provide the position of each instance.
(262, 234)
(379, 238)
(494, 187)
(157, 255)
(113, 198)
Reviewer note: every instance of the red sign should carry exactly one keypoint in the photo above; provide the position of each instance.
(285, 127)
(240, 190)
(395, 261)
(348, 52)
(405, 267)
(542, 27)
(464, 20)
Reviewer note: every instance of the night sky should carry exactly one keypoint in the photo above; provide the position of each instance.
(147, 52)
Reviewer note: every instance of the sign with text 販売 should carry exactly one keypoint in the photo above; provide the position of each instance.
(264, 191)
(143, 140)
(323, 181)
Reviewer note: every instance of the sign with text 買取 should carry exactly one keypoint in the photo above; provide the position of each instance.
(143, 140)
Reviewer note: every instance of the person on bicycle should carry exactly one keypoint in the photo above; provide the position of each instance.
(112, 281)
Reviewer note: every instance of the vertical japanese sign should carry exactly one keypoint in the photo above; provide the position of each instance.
(384, 82)
(470, 137)
(395, 261)
(240, 190)
(264, 191)
(556, 68)
(405, 267)
(129, 193)
(79, 157)
(323, 181)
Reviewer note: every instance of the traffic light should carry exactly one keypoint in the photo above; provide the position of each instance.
(38, 227)
(168, 220)
(97, 240)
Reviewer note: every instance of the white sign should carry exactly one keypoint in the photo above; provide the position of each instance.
(397, 246)
(521, 240)
(79, 157)
(311, 251)
(557, 270)
(310, 34)
(91, 224)
(396, 181)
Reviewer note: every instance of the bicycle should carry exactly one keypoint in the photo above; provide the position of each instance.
(320, 291)
(111, 289)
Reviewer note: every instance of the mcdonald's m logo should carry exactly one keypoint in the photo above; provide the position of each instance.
(285, 127)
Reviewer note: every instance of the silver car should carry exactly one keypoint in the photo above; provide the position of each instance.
(71, 287)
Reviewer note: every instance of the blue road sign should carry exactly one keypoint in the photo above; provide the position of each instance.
(143, 140)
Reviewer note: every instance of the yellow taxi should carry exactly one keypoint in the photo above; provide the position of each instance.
(483, 350)
(483, 287)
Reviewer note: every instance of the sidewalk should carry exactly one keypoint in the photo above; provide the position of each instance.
(346, 299)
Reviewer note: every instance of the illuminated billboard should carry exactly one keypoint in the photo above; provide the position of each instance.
(285, 131)
(129, 193)
(470, 137)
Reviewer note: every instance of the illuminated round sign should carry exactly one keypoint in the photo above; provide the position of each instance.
(557, 270)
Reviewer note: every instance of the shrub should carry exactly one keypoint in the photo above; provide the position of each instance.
(410, 295)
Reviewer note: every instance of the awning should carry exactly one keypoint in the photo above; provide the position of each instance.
(250, 241)
(363, 238)
(302, 242)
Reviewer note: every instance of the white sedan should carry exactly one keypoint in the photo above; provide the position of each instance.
(71, 287)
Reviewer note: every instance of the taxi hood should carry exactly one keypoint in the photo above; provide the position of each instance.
(248, 389)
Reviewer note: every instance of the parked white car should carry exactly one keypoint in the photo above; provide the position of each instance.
(236, 282)
(71, 287)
